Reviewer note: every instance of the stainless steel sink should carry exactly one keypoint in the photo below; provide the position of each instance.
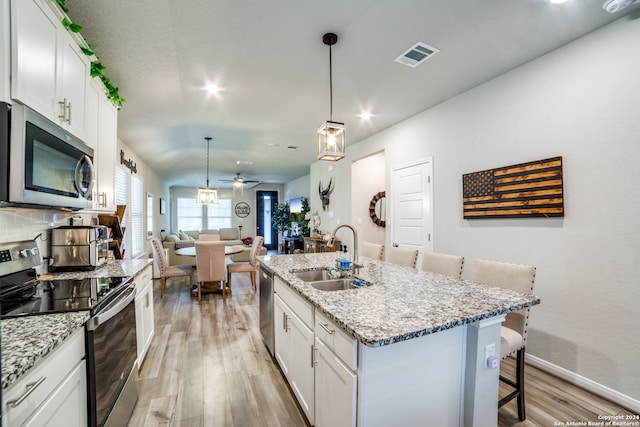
(337, 284)
(313, 275)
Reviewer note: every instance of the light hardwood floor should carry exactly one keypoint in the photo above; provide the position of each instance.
(207, 366)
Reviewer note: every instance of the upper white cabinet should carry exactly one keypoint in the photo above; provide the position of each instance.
(102, 121)
(49, 71)
(5, 52)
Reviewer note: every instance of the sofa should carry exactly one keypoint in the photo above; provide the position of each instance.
(181, 239)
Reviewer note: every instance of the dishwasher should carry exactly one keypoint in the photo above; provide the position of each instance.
(266, 308)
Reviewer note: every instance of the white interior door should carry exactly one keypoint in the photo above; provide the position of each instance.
(412, 206)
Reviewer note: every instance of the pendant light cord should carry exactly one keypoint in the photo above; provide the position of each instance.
(208, 141)
(330, 86)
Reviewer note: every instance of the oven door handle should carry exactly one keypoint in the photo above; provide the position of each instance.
(119, 305)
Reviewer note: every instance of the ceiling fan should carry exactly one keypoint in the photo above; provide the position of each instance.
(239, 180)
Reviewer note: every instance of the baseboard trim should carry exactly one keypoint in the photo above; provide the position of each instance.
(594, 387)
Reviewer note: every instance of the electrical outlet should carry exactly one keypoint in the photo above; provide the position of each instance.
(489, 350)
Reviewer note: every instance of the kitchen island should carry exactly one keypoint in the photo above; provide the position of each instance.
(420, 343)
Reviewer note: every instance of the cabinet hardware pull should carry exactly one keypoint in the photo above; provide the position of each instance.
(325, 326)
(63, 110)
(314, 359)
(30, 388)
(284, 321)
(69, 113)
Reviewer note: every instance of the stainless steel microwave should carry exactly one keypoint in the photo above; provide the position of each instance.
(47, 166)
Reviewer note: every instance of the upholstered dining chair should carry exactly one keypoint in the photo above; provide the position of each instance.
(167, 270)
(246, 267)
(209, 264)
(448, 265)
(372, 250)
(403, 256)
(513, 334)
(209, 237)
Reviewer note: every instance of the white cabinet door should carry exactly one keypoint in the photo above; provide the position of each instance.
(336, 390)
(282, 337)
(302, 378)
(74, 77)
(5, 51)
(49, 70)
(144, 314)
(101, 122)
(105, 158)
(35, 39)
(67, 405)
(294, 348)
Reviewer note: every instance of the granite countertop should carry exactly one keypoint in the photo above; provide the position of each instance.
(27, 339)
(113, 268)
(401, 303)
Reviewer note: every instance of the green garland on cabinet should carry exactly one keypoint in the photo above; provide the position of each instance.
(97, 69)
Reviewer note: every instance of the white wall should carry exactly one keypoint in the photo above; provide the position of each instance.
(369, 179)
(297, 188)
(581, 102)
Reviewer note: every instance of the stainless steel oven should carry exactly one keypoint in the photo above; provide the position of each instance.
(45, 165)
(111, 362)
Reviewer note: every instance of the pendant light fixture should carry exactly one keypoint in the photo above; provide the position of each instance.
(331, 135)
(207, 196)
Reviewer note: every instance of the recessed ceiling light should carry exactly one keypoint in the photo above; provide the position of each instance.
(244, 162)
(272, 145)
(557, 1)
(365, 115)
(211, 88)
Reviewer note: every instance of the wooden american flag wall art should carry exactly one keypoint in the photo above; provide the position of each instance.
(532, 189)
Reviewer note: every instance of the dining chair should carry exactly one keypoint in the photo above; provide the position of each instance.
(403, 256)
(448, 265)
(372, 250)
(513, 333)
(246, 267)
(167, 270)
(209, 264)
(209, 237)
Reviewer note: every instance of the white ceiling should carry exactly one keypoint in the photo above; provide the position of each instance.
(269, 60)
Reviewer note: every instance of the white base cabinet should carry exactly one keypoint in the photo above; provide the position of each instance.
(438, 379)
(335, 389)
(144, 313)
(294, 345)
(54, 393)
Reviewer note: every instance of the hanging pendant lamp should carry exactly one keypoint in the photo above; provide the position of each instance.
(331, 135)
(207, 196)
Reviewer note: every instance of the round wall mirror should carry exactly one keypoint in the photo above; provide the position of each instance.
(377, 209)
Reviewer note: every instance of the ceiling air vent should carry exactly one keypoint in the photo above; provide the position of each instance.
(417, 54)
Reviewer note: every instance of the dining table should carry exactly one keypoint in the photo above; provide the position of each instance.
(191, 250)
(208, 287)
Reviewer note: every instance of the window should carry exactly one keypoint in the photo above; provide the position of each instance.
(129, 193)
(192, 216)
(137, 215)
(219, 216)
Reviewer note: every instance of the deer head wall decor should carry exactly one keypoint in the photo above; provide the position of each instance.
(324, 194)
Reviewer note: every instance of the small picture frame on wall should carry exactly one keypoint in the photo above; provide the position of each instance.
(163, 206)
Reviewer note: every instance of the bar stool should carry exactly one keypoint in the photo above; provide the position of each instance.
(513, 334)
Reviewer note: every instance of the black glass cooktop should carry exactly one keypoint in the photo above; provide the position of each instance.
(63, 295)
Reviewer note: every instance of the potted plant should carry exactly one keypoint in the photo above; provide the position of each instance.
(281, 220)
